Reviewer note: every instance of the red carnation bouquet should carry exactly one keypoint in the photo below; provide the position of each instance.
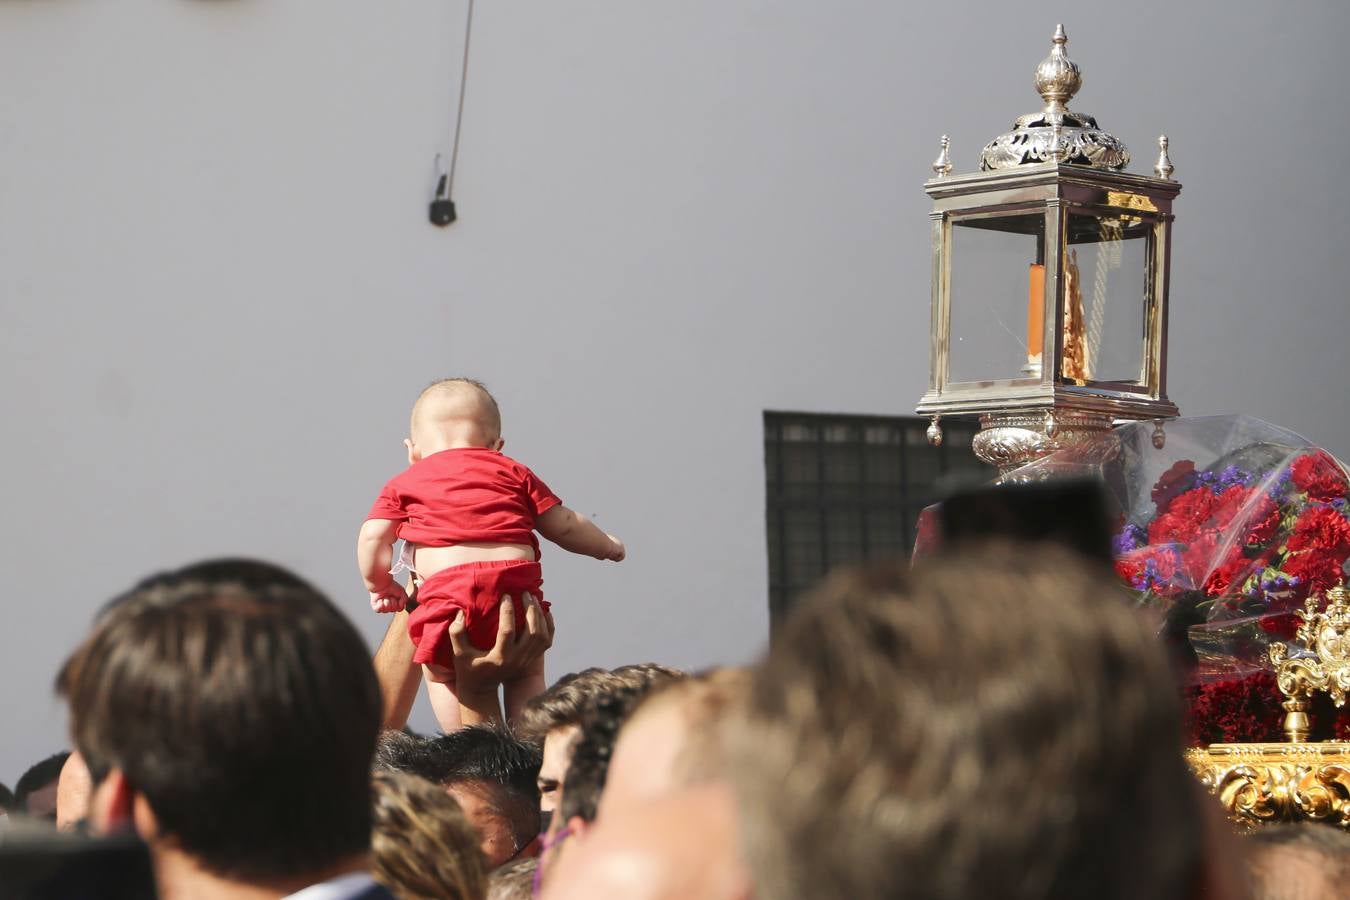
(1225, 530)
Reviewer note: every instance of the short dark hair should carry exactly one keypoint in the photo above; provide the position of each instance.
(562, 704)
(243, 706)
(6, 798)
(39, 775)
(506, 766)
(566, 701)
(412, 754)
(998, 717)
(586, 773)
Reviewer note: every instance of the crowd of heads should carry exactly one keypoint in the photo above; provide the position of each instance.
(996, 720)
(490, 774)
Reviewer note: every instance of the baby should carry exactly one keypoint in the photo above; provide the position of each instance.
(469, 515)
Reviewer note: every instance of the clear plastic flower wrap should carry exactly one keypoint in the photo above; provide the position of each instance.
(1227, 524)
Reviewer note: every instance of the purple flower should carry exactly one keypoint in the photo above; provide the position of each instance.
(1280, 490)
(1130, 538)
(1223, 479)
(1150, 578)
(1270, 583)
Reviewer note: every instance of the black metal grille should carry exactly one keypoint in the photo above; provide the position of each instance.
(849, 488)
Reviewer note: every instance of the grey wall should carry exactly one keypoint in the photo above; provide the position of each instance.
(218, 293)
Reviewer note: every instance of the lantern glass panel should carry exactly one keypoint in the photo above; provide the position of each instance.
(1106, 270)
(996, 271)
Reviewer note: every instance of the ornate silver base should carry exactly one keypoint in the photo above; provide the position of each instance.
(1010, 440)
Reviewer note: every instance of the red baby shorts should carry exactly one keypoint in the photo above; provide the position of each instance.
(477, 589)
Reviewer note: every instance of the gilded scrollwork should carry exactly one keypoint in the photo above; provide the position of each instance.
(1324, 666)
(1262, 783)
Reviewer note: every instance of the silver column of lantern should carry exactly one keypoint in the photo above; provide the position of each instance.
(1050, 278)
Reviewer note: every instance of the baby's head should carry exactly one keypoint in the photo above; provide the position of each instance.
(451, 414)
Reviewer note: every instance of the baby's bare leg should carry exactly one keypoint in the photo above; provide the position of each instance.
(444, 701)
(519, 690)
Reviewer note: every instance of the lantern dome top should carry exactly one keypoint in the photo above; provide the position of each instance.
(1055, 133)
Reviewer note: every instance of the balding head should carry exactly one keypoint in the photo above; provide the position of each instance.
(451, 413)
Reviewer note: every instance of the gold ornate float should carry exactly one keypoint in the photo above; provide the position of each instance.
(1297, 780)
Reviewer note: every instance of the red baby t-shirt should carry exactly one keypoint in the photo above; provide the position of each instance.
(465, 494)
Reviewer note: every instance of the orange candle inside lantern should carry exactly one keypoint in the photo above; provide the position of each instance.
(1035, 310)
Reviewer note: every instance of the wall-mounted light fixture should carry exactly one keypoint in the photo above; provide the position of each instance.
(442, 210)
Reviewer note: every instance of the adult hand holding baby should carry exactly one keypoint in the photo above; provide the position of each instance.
(479, 673)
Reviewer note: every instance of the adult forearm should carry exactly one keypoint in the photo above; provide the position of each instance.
(397, 675)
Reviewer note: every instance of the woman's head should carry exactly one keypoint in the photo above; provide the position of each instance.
(422, 846)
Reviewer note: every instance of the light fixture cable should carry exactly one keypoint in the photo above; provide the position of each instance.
(442, 212)
(459, 112)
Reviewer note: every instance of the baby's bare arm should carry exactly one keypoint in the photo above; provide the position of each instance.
(575, 533)
(374, 554)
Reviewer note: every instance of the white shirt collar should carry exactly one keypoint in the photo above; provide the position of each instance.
(339, 888)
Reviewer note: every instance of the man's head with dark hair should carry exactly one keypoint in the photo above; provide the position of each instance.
(240, 705)
(551, 720)
(1306, 861)
(413, 754)
(997, 719)
(35, 792)
(591, 754)
(562, 704)
(492, 775)
(605, 714)
(6, 798)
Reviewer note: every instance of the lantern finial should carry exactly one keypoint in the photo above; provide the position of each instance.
(1058, 78)
(1056, 133)
(942, 166)
(1164, 168)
